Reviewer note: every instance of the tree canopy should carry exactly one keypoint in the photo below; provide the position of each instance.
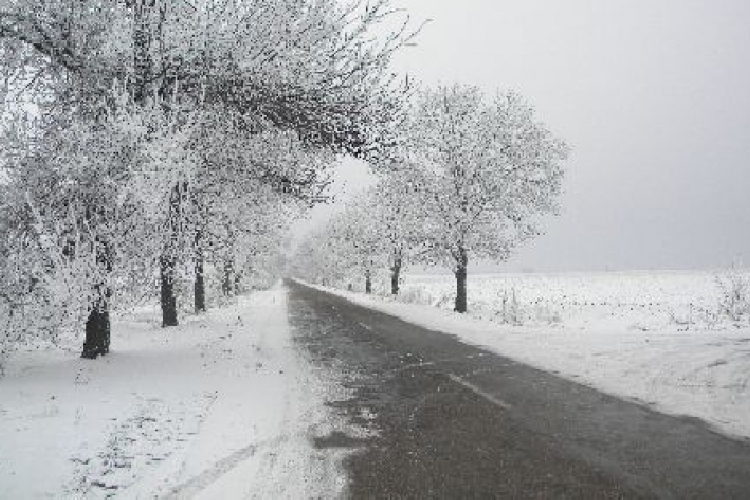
(473, 176)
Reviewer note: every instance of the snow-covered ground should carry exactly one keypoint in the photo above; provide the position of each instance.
(642, 300)
(635, 335)
(221, 407)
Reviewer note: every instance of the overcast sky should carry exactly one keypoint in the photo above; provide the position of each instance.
(653, 97)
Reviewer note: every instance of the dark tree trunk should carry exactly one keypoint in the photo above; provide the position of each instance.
(168, 261)
(143, 69)
(199, 291)
(142, 60)
(462, 272)
(395, 275)
(97, 329)
(228, 283)
(368, 282)
(200, 286)
(168, 299)
(97, 325)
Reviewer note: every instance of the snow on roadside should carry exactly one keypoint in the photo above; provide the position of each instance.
(701, 373)
(223, 406)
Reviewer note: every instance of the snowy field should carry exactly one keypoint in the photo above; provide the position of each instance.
(220, 407)
(656, 338)
(634, 300)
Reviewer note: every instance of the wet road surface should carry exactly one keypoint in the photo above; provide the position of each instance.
(457, 421)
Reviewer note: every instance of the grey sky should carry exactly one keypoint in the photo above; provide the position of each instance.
(653, 97)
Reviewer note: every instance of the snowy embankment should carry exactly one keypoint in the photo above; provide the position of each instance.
(629, 351)
(221, 407)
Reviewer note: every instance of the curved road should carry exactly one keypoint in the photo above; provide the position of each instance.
(457, 421)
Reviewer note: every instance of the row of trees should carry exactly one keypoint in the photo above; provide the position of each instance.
(146, 142)
(470, 180)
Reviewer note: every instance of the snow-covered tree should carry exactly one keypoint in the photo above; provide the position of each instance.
(490, 169)
(260, 69)
(315, 259)
(395, 215)
(347, 249)
(353, 240)
(65, 199)
(379, 229)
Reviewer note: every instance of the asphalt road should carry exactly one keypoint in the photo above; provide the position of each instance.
(456, 421)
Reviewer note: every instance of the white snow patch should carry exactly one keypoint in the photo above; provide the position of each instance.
(223, 406)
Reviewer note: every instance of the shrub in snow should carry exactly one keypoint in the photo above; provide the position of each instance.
(734, 299)
(510, 312)
(444, 301)
(542, 312)
(415, 295)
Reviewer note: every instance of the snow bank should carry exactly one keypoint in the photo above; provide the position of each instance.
(223, 406)
(697, 372)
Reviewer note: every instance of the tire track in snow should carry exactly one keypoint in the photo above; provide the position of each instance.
(220, 468)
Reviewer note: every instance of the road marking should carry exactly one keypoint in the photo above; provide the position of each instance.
(479, 392)
(444, 360)
(415, 365)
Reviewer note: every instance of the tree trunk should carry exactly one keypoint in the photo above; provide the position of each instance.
(395, 275)
(199, 291)
(97, 328)
(142, 60)
(461, 275)
(228, 283)
(168, 260)
(368, 282)
(168, 299)
(200, 286)
(143, 68)
(97, 325)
